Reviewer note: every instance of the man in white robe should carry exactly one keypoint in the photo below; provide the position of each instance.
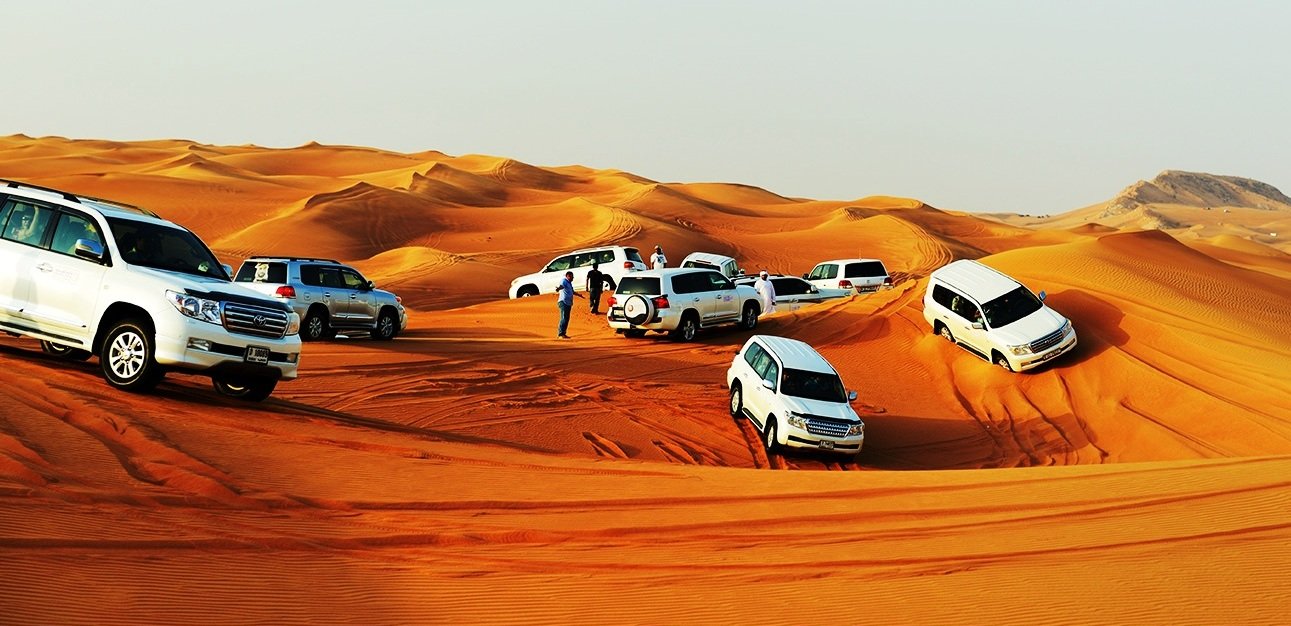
(766, 292)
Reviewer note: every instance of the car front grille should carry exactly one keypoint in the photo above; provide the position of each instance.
(254, 320)
(1047, 341)
(827, 427)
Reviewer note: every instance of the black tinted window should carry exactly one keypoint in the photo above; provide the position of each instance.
(689, 283)
(311, 275)
(263, 272)
(72, 228)
(605, 257)
(943, 296)
(965, 308)
(1011, 307)
(560, 265)
(164, 247)
(813, 386)
(864, 269)
(633, 255)
(648, 285)
(789, 286)
(713, 281)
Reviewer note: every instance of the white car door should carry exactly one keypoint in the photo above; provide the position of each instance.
(550, 277)
(23, 232)
(723, 301)
(968, 327)
(761, 397)
(63, 295)
(824, 275)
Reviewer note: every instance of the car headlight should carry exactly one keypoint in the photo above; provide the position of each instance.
(1022, 349)
(293, 323)
(195, 307)
(856, 429)
(1066, 328)
(796, 420)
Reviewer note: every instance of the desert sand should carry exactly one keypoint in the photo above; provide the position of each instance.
(476, 470)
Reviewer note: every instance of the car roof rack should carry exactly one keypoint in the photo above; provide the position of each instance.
(268, 257)
(77, 198)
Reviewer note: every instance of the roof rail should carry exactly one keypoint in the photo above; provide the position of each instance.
(18, 183)
(72, 197)
(290, 258)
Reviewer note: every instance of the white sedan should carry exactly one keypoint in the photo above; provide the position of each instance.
(793, 289)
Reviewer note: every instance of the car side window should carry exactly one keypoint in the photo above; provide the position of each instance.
(771, 372)
(352, 280)
(686, 283)
(27, 223)
(584, 260)
(943, 296)
(311, 275)
(605, 257)
(965, 308)
(561, 264)
(717, 282)
(752, 355)
(789, 286)
(71, 228)
(825, 272)
(329, 277)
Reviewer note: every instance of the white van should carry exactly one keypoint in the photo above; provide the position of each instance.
(995, 317)
(863, 275)
(793, 396)
(709, 261)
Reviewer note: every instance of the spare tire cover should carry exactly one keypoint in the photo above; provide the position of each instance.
(638, 310)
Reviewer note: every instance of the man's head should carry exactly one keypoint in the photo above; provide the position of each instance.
(658, 248)
(595, 265)
(763, 274)
(569, 275)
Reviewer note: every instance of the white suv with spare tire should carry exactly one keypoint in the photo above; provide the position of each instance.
(94, 277)
(680, 301)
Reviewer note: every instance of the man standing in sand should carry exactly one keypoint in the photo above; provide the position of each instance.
(596, 281)
(564, 302)
(658, 260)
(766, 292)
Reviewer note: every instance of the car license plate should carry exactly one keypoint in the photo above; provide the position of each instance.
(826, 445)
(257, 354)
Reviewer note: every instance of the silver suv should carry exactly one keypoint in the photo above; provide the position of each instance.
(87, 276)
(329, 296)
(680, 301)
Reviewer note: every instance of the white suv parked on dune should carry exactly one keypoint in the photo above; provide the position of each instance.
(793, 396)
(88, 276)
(863, 275)
(995, 317)
(680, 301)
(617, 261)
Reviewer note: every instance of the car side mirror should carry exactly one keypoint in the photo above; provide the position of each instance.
(1043, 295)
(978, 326)
(88, 249)
(813, 289)
(851, 396)
(768, 385)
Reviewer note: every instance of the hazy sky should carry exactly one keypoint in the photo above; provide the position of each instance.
(1032, 107)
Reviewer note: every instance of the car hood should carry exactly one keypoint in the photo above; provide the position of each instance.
(835, 410)
(1030, 328)
(205, 287)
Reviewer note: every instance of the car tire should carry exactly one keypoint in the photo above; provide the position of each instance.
(128, 357)
(527, 291)
(638, 309)
(944, 331)
(67, 353)
(749, 319)
(688, 328)
(387, 327)
(737, 400)
(249, 389)
(316, 326)
(1003, 362)
(769, 435)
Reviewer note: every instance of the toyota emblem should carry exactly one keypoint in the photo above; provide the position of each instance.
(261, 320)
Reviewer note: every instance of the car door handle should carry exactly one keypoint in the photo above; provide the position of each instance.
(327, 294)
(354, 296)
(45, 267)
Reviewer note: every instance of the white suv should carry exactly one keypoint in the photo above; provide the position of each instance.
(863, 275)
(680, 301)
(616, 261)
(88, 276)
(793, 396)
(994, 316)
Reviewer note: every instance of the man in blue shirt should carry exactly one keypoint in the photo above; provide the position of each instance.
(565, 301)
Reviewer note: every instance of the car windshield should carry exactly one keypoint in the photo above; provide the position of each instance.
(165, 248)
(1010, 307)
(648, 285)
(813, 385)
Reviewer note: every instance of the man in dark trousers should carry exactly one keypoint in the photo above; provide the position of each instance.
(595, 279)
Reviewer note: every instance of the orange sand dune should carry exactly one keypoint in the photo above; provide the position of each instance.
(476, 469)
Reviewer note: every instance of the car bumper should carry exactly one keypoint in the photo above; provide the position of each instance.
(798, 438)
(659, 323)
(1032, 361)
(199, 346)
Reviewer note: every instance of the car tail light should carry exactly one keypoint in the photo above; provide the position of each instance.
(285, 291)
(661, 302)
(398, 300)
(844, 284)
(612, 300)
(627, 265)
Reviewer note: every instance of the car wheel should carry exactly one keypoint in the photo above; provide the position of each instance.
(634, 333)
(945, 333)
(527, 291)
(128, 357)
(385, 328)
(737, 400)
(249, 389)
(749, 320)
(315, 326)
(769, 435)
(64, 352)
(687, 329)
(1003, 362)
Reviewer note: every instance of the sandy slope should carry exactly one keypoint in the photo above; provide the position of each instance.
(476, 470)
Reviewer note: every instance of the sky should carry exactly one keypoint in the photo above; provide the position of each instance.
(1027, 107)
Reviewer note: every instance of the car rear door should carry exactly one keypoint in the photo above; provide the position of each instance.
(721, 297)
(17, 259)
